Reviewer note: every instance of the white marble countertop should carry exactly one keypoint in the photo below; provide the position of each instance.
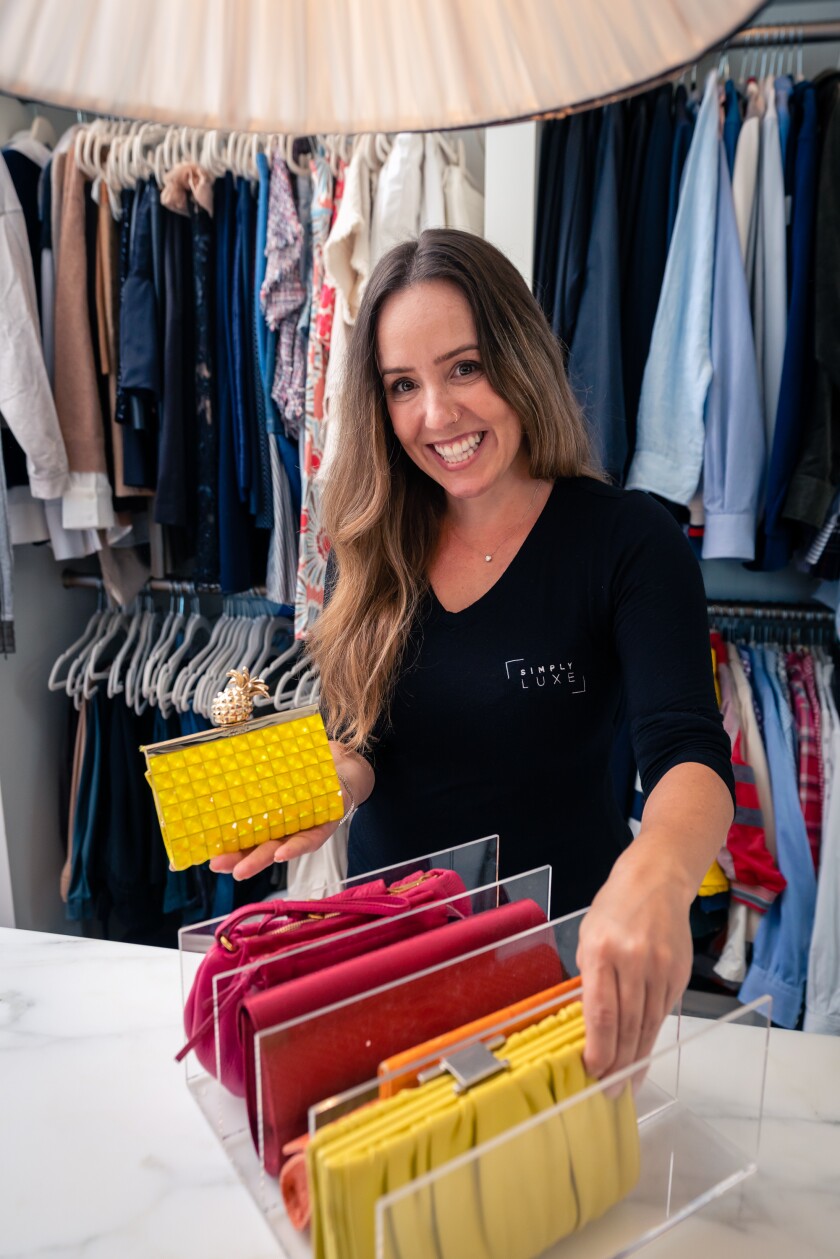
(105, 1155)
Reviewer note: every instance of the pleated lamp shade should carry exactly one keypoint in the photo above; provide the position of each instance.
(347, 66)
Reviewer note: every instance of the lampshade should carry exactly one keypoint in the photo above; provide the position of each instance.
(309, 66)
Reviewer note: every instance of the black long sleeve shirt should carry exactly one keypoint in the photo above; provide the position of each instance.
(504, 715)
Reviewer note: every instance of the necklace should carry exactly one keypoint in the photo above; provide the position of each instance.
(488, 555)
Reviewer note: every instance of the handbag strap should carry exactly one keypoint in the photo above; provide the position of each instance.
(328, 907)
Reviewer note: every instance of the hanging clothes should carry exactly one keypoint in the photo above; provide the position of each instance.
(769, 266)
(648, 254)
(314, 545)
(595, 354)
(745, 171)
(817, 473)
(283, 294)
(822, 1004)
(795, 396)
(395, 214)
(671, 432)
(282, 551)
(733, 454)
(780, 955)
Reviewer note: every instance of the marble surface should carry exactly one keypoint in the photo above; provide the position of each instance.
(105, 1154)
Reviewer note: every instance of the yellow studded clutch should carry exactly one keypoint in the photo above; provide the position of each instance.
(231, 788)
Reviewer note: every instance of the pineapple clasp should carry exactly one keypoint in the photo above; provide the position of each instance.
(235, 703)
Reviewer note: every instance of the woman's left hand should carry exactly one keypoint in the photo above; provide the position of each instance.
(634, 955)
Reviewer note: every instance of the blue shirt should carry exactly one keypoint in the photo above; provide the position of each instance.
(780, 952)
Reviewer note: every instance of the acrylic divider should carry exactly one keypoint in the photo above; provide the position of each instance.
(348, 1039)
(476, 862)
(568, 1183)
(227, 1114)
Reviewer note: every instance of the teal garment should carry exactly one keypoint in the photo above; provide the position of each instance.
(731, 124)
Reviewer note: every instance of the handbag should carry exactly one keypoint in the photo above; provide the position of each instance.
(403, 1071)
(250, 781)
(309, 1059)
(273, 934)
(516, 1197)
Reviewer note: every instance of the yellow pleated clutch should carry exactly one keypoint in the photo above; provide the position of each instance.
(517, 1197)
(228, 789)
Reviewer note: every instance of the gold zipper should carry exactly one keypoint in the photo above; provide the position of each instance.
(225, 732)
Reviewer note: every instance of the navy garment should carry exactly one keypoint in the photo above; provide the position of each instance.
(235, 535)
(139, 337)
(683, 131)
(84, 880)
(175, 503)
(775, 541)
(124, 263)
(574, 221)
(595, 355)
(133, 860)
(206, 412)
(550, 197)
(638, 126)
(731, 123)
(817, 472)
(138, 464)
(647, 261)
(240, 341)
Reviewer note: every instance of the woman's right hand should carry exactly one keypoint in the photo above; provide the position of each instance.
(357, 774)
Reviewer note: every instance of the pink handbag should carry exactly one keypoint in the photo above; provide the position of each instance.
(272, 933)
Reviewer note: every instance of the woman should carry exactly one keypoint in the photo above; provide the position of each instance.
(494, 599)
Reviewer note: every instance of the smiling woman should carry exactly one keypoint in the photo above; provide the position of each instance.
(495, 602)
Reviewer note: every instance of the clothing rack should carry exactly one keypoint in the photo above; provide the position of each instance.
(802, 612)
(165, 585)
(799, 33)
(789, 623)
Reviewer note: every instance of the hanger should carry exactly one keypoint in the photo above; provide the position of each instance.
(74, 685)
(197, 624)
(172, 626)
(133, 694)
(118, 625)
(284, 694)
(189, 676)
(115, 685)
(288, 154)
(42, 130)
(55, 682)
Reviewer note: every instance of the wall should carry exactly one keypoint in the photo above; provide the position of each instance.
(33, 722)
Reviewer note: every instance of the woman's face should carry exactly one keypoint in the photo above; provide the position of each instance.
(445, 414)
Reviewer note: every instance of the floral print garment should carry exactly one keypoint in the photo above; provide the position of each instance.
(282, 295)
(314, 544)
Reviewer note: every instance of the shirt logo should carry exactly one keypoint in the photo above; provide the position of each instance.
(537, 675)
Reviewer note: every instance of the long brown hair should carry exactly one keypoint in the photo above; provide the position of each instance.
(381, 513)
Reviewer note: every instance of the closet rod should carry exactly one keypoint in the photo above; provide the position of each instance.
(89, 581)
(773, 612)
(800, 33)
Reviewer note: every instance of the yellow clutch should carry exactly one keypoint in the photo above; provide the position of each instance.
(250, 780)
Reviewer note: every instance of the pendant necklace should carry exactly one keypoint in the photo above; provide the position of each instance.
(488, 555)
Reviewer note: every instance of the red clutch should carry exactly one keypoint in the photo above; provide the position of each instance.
(273, 933)
(323, 1055)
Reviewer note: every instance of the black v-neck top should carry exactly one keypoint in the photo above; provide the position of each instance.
(504, 715)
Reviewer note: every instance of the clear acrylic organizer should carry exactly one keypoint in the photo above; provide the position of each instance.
(698, 1105)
